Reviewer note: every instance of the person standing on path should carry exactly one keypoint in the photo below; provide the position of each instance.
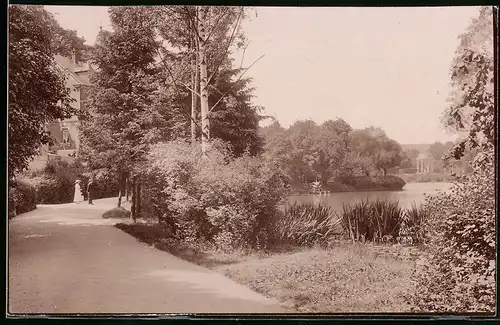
(90, 189)
(78, 192)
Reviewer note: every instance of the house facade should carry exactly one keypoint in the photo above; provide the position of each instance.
(65, 132)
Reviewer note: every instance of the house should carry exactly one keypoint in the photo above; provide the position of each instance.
(65, 132)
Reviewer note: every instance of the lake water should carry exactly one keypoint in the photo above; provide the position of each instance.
(411, 193)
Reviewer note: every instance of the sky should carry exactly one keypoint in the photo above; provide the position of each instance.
(384, 67)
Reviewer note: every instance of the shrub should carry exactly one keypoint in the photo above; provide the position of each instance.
(224, 200)
(306, 224)
(372, 221)
(22, 198)
(456, 272)
(55, 183)
(51, 189)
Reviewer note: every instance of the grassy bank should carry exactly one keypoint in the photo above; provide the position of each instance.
(344, 278)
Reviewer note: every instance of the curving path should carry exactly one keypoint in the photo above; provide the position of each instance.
(67, 259)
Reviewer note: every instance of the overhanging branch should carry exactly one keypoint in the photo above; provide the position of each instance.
(236, 25)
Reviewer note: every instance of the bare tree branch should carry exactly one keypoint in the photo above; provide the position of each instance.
(177, 91)
(243, 56)
(216, 23)
(236, 25)
(174, 80)
(234, 85)
(192, 19)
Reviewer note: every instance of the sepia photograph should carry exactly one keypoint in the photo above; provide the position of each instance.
(182, 159)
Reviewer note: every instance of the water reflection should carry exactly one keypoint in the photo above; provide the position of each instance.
(411, 193)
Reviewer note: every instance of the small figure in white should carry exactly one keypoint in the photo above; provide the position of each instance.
(78, 192)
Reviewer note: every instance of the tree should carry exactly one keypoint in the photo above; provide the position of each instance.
(205, 36)
(235, 119)
(333, 146)
(37, 91)
(375, 150)
(122, 120)
(472, 103)
(437, 150)
(389, 155)
(364, 145)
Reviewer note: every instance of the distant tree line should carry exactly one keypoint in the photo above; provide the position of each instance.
(307, 152)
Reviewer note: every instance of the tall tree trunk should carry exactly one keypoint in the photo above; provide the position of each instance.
(205, 123)
(126, 188)
(133, 207)
(196, 85)
(138, 200)
(120, 186)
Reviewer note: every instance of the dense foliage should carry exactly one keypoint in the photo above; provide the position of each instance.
(457, 271)
(120, 121)
(37, 92)
(55, 183)
(137, 98)
(224, 200)
(472, 108)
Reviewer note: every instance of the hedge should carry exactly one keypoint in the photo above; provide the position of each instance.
(22, 198)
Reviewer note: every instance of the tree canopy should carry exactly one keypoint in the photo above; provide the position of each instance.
(121, 121)
(37, 91)
(306, 152)
(472, 107)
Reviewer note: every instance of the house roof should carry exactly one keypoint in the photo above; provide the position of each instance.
(78, 71)
(424, 156)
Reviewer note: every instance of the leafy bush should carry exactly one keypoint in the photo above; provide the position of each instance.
(306, 224)
(22, 198)
(219, 198)
(55, 183)
(456, 272)
(51, 189)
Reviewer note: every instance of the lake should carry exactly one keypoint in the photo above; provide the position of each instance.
(411, 193)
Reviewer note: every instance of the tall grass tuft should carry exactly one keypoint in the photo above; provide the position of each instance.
(377, 221)
(413, 224)
(307, 224)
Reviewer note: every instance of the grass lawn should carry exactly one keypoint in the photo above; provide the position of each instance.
(343, 279)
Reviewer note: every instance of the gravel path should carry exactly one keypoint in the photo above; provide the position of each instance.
(67, 259)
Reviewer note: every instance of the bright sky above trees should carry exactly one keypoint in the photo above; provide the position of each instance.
(387, 67)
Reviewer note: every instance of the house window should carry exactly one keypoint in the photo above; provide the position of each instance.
(65, 135)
